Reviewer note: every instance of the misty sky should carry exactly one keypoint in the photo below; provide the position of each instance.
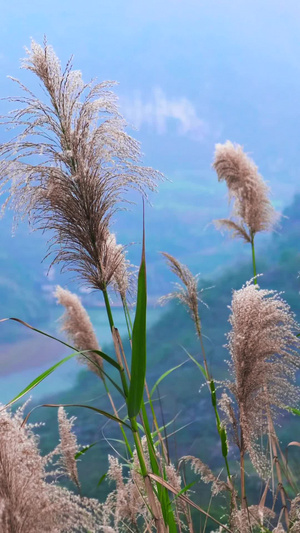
(190, 74)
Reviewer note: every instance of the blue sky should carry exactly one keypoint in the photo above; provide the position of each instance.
(191, 74)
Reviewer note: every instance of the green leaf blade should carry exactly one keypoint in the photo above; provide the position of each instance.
(139, 355)
(163, 376)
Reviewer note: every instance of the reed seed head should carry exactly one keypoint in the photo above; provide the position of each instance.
(79, 329)
(188, 294)
(264, 358)
(72, 163)
(252, 207)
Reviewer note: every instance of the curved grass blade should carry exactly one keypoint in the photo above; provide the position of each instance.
(293, 410)
(164, 376)
(201, 368)
(47, 373)
(104, 356)
(138, 359)
(102, 478)
(84, 450)
(40, 378)
(99, 411)
(84, 353)
(185, 489)
(162, 428)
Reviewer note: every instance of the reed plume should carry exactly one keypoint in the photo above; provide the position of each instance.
(79, 329)
(188, 294)
(252, 208)
(205, 473)
(295, 515)
(250, 519)
(128, 503)
(264, 359)
(121, 275)
(28, 502)
(68, 445)
(72, 164)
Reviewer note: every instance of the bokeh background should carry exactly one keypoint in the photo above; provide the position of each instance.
(191, 74)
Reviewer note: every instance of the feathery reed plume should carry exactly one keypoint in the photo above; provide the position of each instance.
(244, 520)
(128, 503)
(262, 344)
(77, 324)
(122, 277)
(205, 473)
(230, 420)
(295, 515)
(187, 294)
(252, 207)
(84, 163)
(68, 445)
(280, 529)
(27, 502)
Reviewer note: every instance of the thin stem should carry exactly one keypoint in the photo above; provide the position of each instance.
(279, 476)
(108, 308)
(242, 470)
(198, 330)
(214, 402)
(253, 259)
(159, 522)
(121, 427)
(120, 361)
(128, 313)
(129, 327)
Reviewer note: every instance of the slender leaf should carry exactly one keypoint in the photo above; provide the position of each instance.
(293, 410)
(162, 428)
(102, 478)
(185, 489)
(164, 376)
(47, 373)
(98, 352)
(99, 411)
(84, 450)
(138, 359)
(40, 378)
(201, 368)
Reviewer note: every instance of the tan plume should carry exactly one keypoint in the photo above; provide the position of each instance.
(252, 207)
(78, 327)
(84, 163)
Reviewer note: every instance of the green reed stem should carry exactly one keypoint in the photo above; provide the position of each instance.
(108, 309)
(212, 390)
(127, 323)
(128, 313)
(253, 259)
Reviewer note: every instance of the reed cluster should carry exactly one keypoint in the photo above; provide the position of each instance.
(69, 169)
